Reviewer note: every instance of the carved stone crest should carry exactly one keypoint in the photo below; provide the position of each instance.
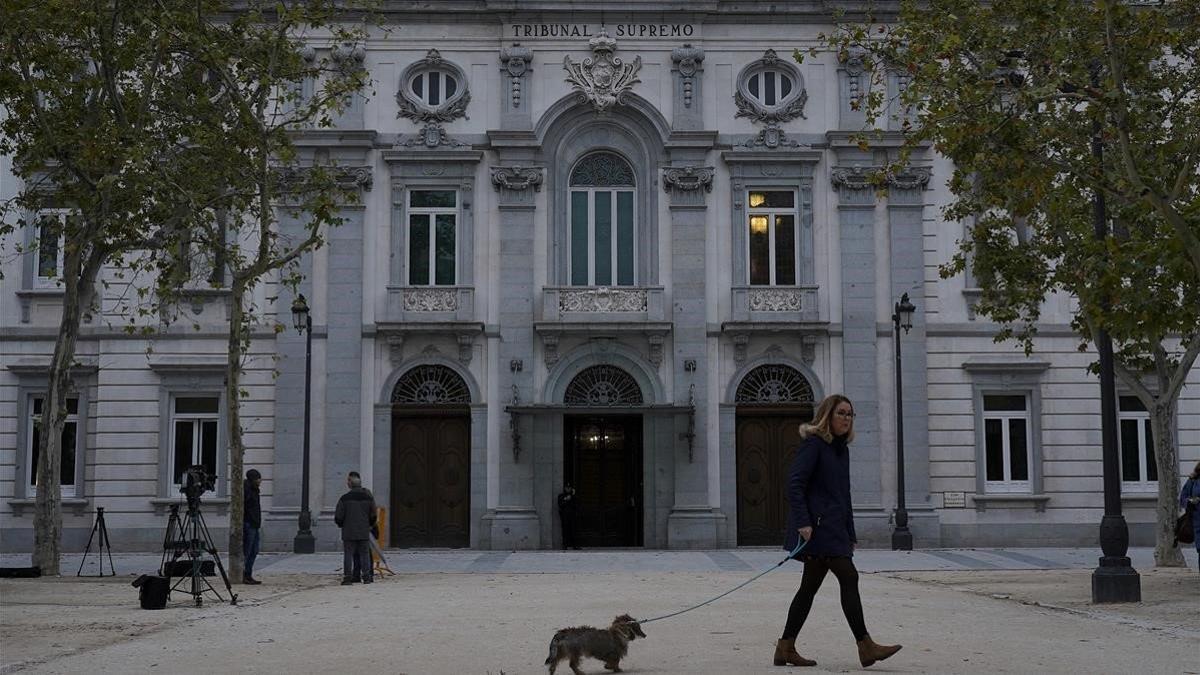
(517, 177)
(603, 80)
(776, 300)
(430, 300)
(788, 107)
(603, 300)
(688, 178)
(449, 108)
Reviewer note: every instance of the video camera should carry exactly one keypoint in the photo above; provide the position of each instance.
(195, 482)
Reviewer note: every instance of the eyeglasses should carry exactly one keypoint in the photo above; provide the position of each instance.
(845, 415)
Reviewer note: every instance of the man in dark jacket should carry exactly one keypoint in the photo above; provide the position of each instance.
(251, 524)
(567, 512)
(356, 516)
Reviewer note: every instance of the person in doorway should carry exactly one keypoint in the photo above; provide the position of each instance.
(355, 514)
(568, 510)
(251, 525)
(1189, 500)
(821, 514)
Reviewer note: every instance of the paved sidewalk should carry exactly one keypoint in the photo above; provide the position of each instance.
(636, 560)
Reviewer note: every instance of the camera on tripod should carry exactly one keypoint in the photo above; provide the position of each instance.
(196, 481)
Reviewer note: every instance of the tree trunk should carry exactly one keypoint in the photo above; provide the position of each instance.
(1166, 457)
(237, 449)
(78, 278)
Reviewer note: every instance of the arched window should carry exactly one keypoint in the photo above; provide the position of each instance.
(602, 237)
(600, 386)
(431, 385)
(774, 384)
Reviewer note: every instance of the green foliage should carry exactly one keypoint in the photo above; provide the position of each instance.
(1013, 92)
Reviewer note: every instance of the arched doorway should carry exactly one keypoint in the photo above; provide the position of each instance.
(772, 400)
(431, 459)
(602, 456)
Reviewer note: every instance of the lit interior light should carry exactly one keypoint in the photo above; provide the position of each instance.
(757, 199)
(758, 224)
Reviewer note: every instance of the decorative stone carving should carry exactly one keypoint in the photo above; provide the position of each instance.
(853, 177)
(550, 348)
(516, 60)
(432, 136)
(687, 59)
(911, 178)
(347, 177)
(688, 178)
(808, 349)
(771, 137)
(855, 64)
(603, 300)
(349, 56)
(466, 347)
(775, 299)
(431, 385)
(656, 349)
(518, 177)
(604, 79)
(789, 107)
(447, 110)
(740, 342)
(430, 300)
(395, 350)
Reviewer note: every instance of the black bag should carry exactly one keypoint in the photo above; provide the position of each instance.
(1184, 533)
(152, 591)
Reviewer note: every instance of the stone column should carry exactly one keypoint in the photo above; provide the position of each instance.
(514, 523)
(906, 209)
(343, 356)
(692, 522)
(856, 224)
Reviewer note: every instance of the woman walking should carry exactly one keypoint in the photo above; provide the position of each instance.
(1189, 499)
(821, 514)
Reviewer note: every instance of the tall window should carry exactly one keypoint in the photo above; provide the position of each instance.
(1006, 434)
(1138, 469)
(50, 228)
(773, 246)
(601, 237)
(193, 434)
(69, 441)
(432, 237)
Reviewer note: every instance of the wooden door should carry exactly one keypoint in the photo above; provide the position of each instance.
(431, 486)
(603, 460)
(765, 447)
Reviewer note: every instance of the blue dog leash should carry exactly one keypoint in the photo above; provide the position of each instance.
(791, 555)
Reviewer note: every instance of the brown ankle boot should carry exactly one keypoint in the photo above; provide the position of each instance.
(869, 652)
(786, 655)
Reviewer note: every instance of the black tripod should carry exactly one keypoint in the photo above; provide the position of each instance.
(102, 545)
(188, 537)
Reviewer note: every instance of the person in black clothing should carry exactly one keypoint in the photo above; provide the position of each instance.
(822, 515)
(567, 512)
(355, 514)
(251, 525)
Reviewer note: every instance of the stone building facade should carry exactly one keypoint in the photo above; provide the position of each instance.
(603, 244)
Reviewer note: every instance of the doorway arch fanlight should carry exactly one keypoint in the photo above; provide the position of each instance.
(603, 386)
(431, 385)
(602, 237)
(774, 384)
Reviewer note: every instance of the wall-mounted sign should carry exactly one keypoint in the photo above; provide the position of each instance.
(584, 30)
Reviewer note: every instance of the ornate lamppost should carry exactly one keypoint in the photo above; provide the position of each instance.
(302, 320)
(902, 317)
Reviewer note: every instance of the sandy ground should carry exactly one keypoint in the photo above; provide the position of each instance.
(490, 624)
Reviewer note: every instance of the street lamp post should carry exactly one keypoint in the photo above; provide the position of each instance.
(902, 317)
(302, 320)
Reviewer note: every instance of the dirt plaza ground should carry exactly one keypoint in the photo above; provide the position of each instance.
(488, 613)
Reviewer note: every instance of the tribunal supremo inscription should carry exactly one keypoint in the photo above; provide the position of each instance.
(538, 30)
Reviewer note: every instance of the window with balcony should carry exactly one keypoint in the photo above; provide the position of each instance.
(602, 234)
(432, 237)
(772, 245)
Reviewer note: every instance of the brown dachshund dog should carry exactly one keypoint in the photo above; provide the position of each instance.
(605, 644)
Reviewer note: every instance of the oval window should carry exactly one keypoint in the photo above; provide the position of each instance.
(434, 87)
(770, 87)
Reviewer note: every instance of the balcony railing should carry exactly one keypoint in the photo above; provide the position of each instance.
(430, 303)
(603, 303)
(775, 303)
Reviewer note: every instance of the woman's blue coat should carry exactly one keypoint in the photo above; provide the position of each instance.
(819, 497)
